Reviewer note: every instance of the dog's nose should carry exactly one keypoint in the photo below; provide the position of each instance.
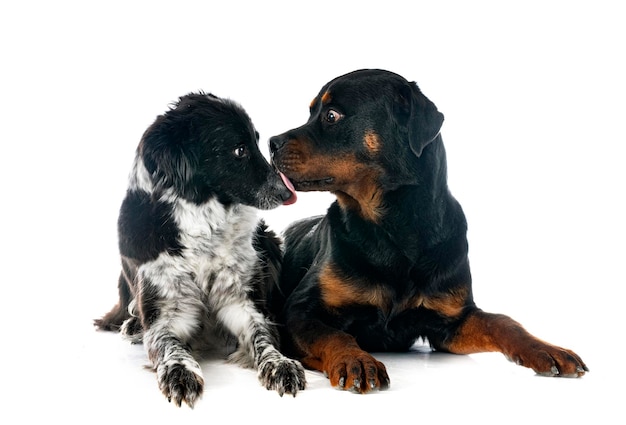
(276, 143)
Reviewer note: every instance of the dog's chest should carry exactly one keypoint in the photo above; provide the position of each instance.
(216, 238)
(340, 290)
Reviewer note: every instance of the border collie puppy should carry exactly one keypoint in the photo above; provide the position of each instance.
(195, 257)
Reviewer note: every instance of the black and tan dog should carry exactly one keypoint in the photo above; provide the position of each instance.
(388, 263)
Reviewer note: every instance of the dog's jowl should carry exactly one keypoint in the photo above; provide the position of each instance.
(388, 263)
(195, 257)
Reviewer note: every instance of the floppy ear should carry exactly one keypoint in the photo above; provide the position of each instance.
(166, 156)
(420, 116)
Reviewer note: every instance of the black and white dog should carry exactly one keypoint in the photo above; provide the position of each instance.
(195, 257)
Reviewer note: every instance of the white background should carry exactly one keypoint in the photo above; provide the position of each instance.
(534, 98)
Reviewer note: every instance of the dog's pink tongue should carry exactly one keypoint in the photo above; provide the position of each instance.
(293, 198)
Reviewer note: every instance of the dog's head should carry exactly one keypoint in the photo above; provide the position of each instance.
(365, 135)
(205, 147)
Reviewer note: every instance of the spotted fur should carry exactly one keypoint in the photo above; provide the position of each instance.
(196, 260)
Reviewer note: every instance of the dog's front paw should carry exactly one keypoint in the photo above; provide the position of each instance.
(178, 383)
(282, 374)
(550, 360)
(356, 370)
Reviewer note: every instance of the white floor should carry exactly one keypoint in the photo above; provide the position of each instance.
(533, 96)
(59, 368)
(96, 377)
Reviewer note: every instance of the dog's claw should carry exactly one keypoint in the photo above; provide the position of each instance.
(356, 386)
(283, 375)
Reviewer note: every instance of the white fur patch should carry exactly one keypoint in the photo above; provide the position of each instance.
(207, 282)
(139, 178)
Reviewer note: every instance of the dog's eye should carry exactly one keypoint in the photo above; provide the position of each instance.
(240, 151)
(332, 116)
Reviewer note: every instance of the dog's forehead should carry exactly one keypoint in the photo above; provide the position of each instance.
(356, 89)
(324, 97)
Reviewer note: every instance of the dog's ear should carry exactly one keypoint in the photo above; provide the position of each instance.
(419, 116)
(166, 154)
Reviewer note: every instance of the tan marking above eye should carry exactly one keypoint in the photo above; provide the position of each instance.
(326, 97)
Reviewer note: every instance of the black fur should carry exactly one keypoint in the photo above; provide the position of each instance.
(193, 252)
(388, 262)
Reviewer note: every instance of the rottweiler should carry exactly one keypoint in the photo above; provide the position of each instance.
(388, 263)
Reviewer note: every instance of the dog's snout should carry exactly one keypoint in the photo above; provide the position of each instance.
(276, 143)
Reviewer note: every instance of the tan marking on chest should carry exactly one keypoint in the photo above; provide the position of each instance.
(339, 291)
(448, 304)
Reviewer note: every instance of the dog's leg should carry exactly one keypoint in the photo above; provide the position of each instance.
(179, 375)
(257, 347)
(276, 371)
(339, 356)
(482, 332)
(112, 321)
(132, 329)
(170, 305)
